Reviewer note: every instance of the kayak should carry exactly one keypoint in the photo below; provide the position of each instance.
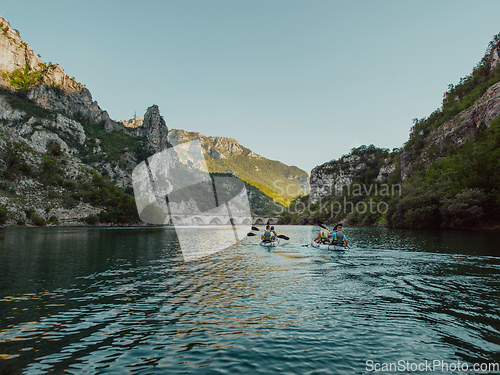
(270, 244)
(328, 247)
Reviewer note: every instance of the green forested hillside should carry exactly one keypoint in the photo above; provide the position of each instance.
(445, 176)
(225, 155)
(264, 175)
(459, 190)
(455, 186)
(356, 200)
(457, 99)
(36, 187)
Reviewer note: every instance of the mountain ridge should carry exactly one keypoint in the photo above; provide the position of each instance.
(227, 155)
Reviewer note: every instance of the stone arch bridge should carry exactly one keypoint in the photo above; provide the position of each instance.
(222, 220)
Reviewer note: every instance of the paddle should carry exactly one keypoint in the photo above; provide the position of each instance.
(250, 234)
(323, 226)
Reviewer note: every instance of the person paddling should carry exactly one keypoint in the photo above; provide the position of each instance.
(323, 236)
(274, 234)
(339, 238)
(267, 236)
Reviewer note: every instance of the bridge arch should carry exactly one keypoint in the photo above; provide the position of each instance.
(177, 220)
(232, 221)
(215, 221)
(259, 221)
(197, 221)
(246, 222)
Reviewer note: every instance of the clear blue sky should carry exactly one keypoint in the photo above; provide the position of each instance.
(302, 82)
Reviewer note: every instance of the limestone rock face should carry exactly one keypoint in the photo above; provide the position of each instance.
(154, 129)
(385, 172)
(14, 53)
(407, 162)
(26, 138)
(71, 127)
(327, 179)
(73, 103)
(495, 56)
(120, 177)
(9, 114)
(39, 133)
(41, 139)
(363, 166)
(455, 132)
(55, 91)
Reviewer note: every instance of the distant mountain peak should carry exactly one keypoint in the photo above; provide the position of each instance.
(217, 147)
(227, 155)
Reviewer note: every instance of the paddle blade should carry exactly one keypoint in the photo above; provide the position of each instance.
(255, 228)
(322, 226)
(284, 237)
(251, 234)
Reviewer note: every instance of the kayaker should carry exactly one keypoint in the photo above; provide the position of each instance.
(339, 238)
(274, 234)
(267, 236)
(323, 236)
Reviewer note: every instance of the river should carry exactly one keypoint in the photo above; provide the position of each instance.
(123, 300)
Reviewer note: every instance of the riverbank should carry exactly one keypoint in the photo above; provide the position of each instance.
(82, 225)
(491, 227)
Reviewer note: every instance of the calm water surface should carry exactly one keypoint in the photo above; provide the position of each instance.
(83, 300)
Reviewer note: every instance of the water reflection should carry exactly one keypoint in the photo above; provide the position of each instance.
(123, 300)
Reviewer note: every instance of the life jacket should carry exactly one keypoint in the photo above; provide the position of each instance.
(267, 236)
(338, 241)
(324, 236)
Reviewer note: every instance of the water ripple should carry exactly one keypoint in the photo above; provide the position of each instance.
(292, 309)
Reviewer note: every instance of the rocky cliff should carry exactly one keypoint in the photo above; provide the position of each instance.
(63, 160)
(54, 169)
(472, 104)
(59, 162)
(45, 84)
(39, 166)
(153, 128)
(454, 133)
(363, 165)
(14, 53)
(446, 173)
